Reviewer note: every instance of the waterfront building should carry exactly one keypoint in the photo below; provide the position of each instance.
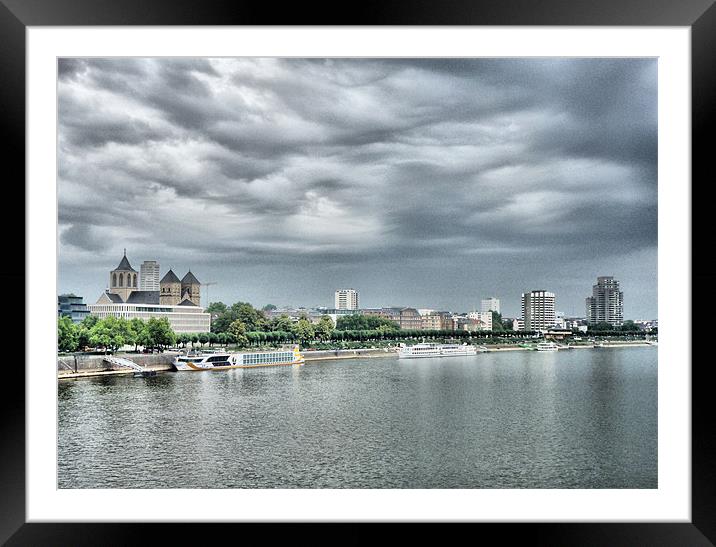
(346, 299)
(538, 311)
(149, 276)
(467, 323)
(435, 320)
(69, 305)
(483, 318)
(490, 304)
(124, 299)
(405, 318)
(606, 305)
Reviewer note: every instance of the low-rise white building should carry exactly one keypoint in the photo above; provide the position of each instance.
(183, 318)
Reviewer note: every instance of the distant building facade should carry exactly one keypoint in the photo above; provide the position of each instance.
(175, 299)
(149, 276)
(346, 299)
(69, 305)
(435, 320)
(606, 305)
(405, 318)
(483, 318)
(538, 310)
(490, 304)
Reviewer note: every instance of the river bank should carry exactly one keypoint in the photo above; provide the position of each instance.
(79, 366)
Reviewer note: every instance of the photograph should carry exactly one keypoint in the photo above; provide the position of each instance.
(357, 272)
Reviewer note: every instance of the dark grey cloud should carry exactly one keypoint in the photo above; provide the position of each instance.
(362, 165)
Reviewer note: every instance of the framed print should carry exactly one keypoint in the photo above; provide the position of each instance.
(389, 213)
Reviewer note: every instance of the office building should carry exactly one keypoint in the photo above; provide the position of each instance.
(149, 276)
(69, 305)
(606, 305)
(538, 311)
(490, 304)
(346, 299)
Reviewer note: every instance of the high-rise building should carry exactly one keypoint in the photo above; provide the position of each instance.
(606, 305)
(346, 299)
(149, 276)
(490, 304)
(538, 311)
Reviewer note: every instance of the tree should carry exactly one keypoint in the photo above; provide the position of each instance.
(67, 335)
(216, 308)
(303, 330)
(161, 332)
(110, 333)
(364, 322)
(497, 325)
(601, 326)
(268, 307)
(238, 330)
(629, 326)
(324, 328)
(137, 328)
(281, 323)
(89, 321)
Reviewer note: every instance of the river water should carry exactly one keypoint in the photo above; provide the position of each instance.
(582, 418)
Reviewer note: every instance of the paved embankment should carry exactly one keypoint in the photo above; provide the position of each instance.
(75, 366)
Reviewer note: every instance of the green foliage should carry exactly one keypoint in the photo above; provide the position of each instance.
(281, 323)
(253, 319)
(67, 335)
(160, 332)
(110, 333)
(324, 328)
(303, 330)
(216, 308)
(365, 322)
(600, 327)
(497, 325)
(268, 307)
(629, 326)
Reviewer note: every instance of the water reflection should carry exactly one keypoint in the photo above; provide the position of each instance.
(572, 419)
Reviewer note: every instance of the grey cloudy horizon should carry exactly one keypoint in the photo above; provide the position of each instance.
(429, 183)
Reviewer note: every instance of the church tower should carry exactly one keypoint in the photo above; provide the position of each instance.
(190, 288)
(170, 289)
(123, 279)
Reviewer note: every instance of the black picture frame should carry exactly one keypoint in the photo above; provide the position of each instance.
(699, 15)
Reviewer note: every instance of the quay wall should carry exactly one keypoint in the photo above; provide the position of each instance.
(71, 366)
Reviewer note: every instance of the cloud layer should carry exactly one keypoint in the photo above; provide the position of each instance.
(259, 164)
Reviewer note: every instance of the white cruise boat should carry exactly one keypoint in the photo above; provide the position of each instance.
(436, 350)
(547, 346)
(223, 361)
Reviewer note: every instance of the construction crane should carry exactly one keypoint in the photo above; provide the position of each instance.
(207, 290)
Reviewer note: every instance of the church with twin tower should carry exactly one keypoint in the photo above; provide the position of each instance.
(172, 290)
(177, 300)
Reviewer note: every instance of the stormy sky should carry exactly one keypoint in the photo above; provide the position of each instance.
(420, 182)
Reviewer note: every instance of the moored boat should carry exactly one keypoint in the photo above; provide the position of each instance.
(547, 346)
(436, 350)
(225, 360)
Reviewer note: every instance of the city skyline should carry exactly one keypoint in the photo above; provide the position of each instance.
(426, 183)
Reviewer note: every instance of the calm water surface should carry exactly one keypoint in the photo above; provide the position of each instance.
(584, 418)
